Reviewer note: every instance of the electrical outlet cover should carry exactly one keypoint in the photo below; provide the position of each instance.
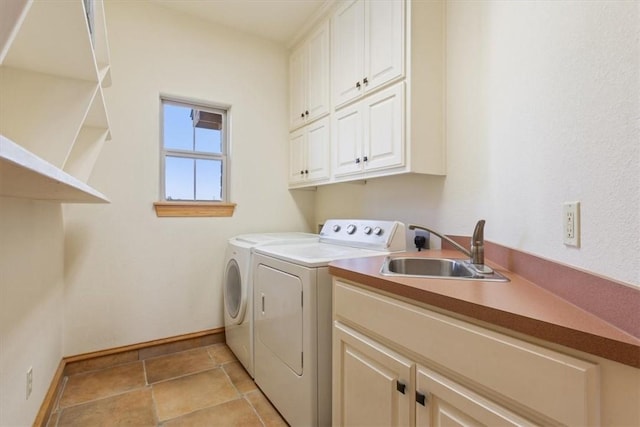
(571, 223)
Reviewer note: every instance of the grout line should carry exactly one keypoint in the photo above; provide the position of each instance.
(255, 410)
(144, 372)
(188, 374)
(154, 406)
(230, 380)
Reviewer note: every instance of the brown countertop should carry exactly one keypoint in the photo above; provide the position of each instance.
(518, 305)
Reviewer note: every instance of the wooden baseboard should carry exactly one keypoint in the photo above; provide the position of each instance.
(146, 345)
(114, 356)
(50, 398)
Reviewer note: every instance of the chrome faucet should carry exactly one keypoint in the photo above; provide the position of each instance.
(477, 244)
(476, 254)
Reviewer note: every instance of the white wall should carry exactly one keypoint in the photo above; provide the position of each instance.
(130, 276)
(31, 307)
(542, 108)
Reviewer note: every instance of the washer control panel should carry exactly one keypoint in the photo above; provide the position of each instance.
(373, 234)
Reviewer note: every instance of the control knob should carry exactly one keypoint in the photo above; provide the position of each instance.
(377, 231)
(351, 229)
(336, 228)
(367, 230)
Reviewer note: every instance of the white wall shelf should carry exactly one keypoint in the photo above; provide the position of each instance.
(52, 108)
(54, 39)
(25, 175)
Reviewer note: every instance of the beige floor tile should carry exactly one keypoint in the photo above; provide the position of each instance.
(234, 413)
(99, 384)
(178, 364)
(134, 408)
(100, 362)
(239, 377)
(270, 417)
(187, 394)
(221, 353)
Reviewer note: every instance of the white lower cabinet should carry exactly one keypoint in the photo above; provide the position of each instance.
(375, 387)
(380, 387)
(442, 402)
(397, 364)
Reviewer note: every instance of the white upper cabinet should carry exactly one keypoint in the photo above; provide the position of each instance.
(368, 135)
(309, 154)
(347, 52)
(309, 78)
(386, 86)
(368, 47)
(297, 88)
(347, 141)
(54, 64)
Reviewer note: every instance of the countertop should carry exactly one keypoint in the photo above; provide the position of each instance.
(518, 305)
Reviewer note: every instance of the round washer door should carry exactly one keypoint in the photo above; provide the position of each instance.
(235, 300)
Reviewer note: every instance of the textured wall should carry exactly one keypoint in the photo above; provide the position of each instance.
(542, 108)
(130, 276)
(31, 305)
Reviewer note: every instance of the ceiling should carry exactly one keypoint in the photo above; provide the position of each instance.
(277, 20)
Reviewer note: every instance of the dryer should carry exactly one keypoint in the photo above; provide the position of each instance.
(292, 306)
(238, 290)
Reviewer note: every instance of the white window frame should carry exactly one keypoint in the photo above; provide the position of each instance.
(223, 157)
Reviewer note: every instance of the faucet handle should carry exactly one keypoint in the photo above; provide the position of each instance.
(478, 234)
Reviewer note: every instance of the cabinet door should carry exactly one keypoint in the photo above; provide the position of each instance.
(317, 150)
(347, 52)
(371, 383)
(384, 42)
(383, 117)
(296, 156)
(297, 87)
(317, 90)
(347, 141)
(443, 402)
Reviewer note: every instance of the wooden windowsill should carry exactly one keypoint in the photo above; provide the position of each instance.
(194, 209)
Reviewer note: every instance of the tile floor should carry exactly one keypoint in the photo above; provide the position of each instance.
(206, 386)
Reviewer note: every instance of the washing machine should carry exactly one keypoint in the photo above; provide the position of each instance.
(238, 290)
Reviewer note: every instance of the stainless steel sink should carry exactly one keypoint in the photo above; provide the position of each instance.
(441, 268)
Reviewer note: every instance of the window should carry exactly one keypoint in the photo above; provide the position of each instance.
(194, 164)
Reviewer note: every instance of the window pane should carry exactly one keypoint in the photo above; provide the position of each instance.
(178, 127)
(208, 179)
(208, 140)
(178, 178)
